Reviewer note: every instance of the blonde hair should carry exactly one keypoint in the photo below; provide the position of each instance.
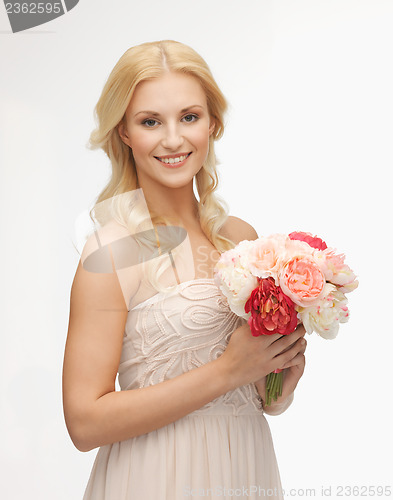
(144, 62)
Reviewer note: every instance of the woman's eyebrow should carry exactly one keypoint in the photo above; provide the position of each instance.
(191, 107)
(154, 113)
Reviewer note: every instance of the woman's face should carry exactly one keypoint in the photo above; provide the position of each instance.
(168, 129)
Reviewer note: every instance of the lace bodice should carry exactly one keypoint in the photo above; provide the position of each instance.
(172, 333)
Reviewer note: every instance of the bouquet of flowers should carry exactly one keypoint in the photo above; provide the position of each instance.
(280, 281)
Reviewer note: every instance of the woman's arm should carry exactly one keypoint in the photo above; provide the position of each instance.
(95, 413)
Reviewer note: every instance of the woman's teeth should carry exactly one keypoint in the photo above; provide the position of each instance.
(178, 159)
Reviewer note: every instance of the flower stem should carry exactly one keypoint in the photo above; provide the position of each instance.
(273, 390)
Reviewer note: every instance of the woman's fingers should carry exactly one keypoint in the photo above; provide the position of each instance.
(271, 339)
(301, 330)
(249, 358)
(298, 360)
(287, 357)
(286, 342)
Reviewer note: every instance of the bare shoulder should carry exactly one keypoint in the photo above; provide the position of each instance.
(102, 237)
(105, 253)
(238, 230)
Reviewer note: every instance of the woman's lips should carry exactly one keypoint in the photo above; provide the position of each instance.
(173, 161)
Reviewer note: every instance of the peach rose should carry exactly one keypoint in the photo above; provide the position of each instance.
(302, 280)
(265, 257)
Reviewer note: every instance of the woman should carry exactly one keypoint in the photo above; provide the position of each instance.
(189, 420)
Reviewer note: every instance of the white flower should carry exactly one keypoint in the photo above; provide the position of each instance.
(237, 301)
(327, 314)
(234, 277)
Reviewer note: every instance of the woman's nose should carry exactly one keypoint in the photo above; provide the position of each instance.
(172, 138)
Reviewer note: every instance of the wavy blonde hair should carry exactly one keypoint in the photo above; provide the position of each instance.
(144, 62)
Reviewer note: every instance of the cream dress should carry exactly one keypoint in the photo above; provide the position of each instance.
(222, 450)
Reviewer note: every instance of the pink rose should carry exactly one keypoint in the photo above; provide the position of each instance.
(302, 280)
(337, 272)
(271, 311)
(313, 241)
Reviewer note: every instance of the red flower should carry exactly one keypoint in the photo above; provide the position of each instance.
(313, 241)
(271, 310)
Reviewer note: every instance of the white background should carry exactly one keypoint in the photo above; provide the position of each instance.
(308, 146)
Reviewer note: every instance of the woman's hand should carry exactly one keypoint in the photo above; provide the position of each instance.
(292, 372)
(249, 359)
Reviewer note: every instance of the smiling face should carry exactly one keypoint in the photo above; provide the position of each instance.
(168, 128)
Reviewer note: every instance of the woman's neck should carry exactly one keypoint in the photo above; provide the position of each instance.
(177, 204)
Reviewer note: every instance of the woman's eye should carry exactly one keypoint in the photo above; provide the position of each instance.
(149, 122)
(190, 118)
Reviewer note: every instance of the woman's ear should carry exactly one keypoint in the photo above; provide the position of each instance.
(122, 130)
(212, 126)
